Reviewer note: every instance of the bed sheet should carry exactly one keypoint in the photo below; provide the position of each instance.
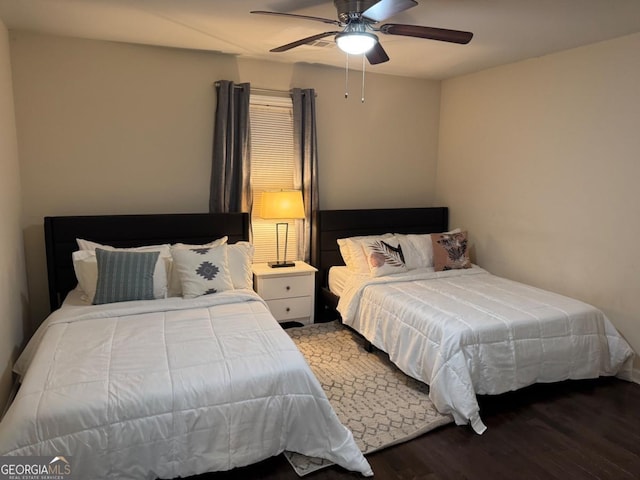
(468, 332)
(168, 388)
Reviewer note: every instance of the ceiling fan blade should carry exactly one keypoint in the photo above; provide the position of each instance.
(302, 41)
(377, 55)
(304, 17)
(292, 5)
(387, 8)
(431, 33)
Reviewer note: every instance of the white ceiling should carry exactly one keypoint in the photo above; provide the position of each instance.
(504, 30)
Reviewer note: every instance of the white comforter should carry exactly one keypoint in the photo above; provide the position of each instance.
(467, 332)
(169, 388)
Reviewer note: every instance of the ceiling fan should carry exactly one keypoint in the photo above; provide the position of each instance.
(358, 19)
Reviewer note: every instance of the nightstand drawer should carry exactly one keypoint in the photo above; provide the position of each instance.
(290, 308)
(286, 287)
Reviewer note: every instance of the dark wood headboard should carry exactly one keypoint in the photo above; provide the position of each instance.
(129, 231)
(329, 225)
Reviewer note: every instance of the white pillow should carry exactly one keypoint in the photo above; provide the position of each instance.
(89, 245)
(175, 289)
(418, 249)
(160, 287)
(240, 258)
(203, 270)
(385, 257)
(353, 254)
(85, 265)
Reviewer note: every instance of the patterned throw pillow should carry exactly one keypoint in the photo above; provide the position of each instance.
(175, 287)
(384, 257)
(203, 270)
(124, 276)
(450, 251)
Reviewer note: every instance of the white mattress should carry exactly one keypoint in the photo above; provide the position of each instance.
(169, 388)
(467, 332)
(338, 277)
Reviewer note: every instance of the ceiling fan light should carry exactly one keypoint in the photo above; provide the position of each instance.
(355, 43)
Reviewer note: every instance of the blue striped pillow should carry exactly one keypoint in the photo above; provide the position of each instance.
(124, 276)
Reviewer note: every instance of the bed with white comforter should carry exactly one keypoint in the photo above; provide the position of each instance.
(168, 388)
(467, 332)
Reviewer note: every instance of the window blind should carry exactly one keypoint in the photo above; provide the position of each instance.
(271, 169)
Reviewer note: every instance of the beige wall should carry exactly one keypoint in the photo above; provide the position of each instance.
(540, 160)
(115, 128)
(13, 284)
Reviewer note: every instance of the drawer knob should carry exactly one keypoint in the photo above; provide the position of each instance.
(288, 309)
(288, 288)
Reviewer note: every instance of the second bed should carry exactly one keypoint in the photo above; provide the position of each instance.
(462, 331)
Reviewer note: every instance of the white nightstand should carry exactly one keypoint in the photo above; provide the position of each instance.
(289, 291)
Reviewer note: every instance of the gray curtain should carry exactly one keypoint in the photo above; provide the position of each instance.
(231, 168)
(305, 172)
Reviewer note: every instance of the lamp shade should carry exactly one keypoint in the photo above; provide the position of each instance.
(282, 204)
(355, 43)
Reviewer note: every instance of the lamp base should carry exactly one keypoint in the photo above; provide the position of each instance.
(281, 264)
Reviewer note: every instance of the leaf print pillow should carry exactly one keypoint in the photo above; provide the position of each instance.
(384, 257)
(353, 254)
(202, 270)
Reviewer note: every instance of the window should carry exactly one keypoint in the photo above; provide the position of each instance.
(271, 169)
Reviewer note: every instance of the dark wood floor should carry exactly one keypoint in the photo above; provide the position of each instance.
(566, 431)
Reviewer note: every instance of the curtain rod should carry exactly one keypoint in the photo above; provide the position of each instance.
(265, 91)
(274, 93)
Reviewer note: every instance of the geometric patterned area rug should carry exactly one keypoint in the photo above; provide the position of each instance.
(375, 400)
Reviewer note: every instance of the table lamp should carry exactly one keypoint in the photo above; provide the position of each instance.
(282, 205)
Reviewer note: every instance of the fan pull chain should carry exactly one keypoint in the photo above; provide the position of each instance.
(346, 79)
(363, 67)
